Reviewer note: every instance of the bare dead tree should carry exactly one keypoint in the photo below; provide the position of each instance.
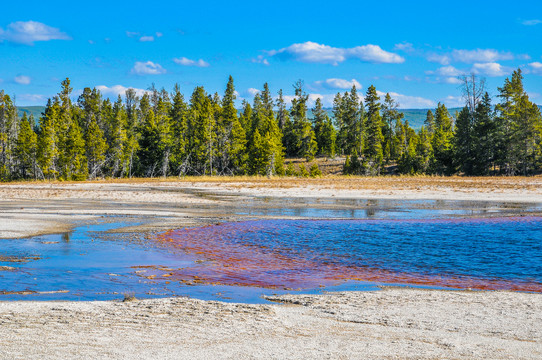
(473, 90)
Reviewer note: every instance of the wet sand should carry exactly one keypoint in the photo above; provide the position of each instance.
(395, 323)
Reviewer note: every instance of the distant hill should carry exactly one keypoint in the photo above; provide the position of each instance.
(415, 117)
(31, 110)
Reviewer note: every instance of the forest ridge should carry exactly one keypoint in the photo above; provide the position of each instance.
(163, 134)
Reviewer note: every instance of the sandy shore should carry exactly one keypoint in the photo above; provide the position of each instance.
(39, 208)
(388, 324)
(395, 323)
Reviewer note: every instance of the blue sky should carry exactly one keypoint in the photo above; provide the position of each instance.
(414, 52)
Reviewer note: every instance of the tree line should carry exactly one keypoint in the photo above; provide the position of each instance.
(163, 134)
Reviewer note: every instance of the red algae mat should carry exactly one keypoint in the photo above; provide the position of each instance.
(484, 254)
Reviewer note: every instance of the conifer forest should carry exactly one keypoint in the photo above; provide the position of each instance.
(165, 134)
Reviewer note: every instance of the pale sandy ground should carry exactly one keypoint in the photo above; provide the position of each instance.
(390, 324)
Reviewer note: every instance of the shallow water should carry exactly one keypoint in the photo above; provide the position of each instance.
(493, 253)
(244, 260)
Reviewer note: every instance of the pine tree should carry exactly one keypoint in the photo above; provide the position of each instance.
(8, 136)
(48, 140)
(484, 137)
(268, 151)
(306, 145)
(179, 128)
(520, 128)
(430, 123)
(118, 138)
(201, 133)
(323, 130)
(462, 147)
(373, 131)
(424, 151)
(131, 147)
(390, 116)
(27, 146)
(151, 149)
(442, 140)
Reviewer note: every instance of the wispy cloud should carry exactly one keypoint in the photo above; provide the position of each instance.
(189, 62)
(311, 52)
(29, 32)
(447, 74)
(30, 99)
(531, 22)
(536, 67)
(335, 83)
(491, 69)
(22, 79)
(405, 46)
(146, 38)
(260, 59)
(147, 68)
(471, 56)
(117, 90)
(409, 102)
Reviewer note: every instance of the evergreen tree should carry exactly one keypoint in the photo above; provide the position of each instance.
(201, 133)
(306, 145)
(520, 128)
(27, 147)
(441, 142)
(151, 150)
(430, 123)
(463, 154)
(390, 116)
(8, 136)
(265, 150)
(373, 131)
(484, 137)
(323, 130)
(48, 140)
(179, 128)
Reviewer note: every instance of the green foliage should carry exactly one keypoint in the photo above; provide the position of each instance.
(161, 134)
(305, 139)
(315, 171)
(303, 172)
(373, 132)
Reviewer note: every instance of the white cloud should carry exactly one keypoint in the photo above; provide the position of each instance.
(29, 99)
(447, 74)
(252, 92)
(22, 79)
(449, 71)
(338, 84)
(146, 38)
(409, 102)
(132, 34)
(472, 56)
(453, 101)
(159, 34)
(491, 69)
(147, 68)
(531, 22)
(405, 46)
(28, 32)
(437, 58)
(536, 67)
(117, 90)
(481, 56)
(260, 59)
(188, 62)
(311, 52)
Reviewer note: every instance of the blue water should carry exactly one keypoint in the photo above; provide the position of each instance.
(499, 253)
(275, 256)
